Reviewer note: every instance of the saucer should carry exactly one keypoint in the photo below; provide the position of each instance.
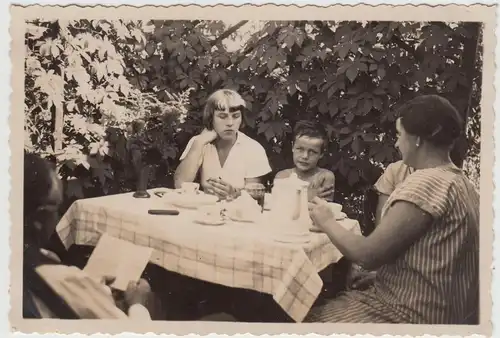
(210, 222)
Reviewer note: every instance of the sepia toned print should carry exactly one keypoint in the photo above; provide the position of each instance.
(236, 170)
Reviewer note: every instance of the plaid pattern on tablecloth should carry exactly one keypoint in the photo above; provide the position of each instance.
(234, 255)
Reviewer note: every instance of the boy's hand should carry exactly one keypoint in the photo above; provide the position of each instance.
(323, 187)
(325, 192)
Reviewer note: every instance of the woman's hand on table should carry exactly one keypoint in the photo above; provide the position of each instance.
(221, 189)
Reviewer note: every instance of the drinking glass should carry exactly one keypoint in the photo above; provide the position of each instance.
(257, 191)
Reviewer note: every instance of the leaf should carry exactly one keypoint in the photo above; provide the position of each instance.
(353, 177)
(356, 146)
(181, 55)
(94, 148)
(352, 73)
(125, 90)
(150, 48)
(367, 106)
(394, 88)
(333, 108)
(344, 66)
(381, 73)
(269, 133)
(349, 117)
(344, 50)
(35, 31)
(86, 56)
(369, 137)
(244, 64)
(74, 188)
(331, 91)
(290, 40)
(362, 66)
(378, 104)
(323, 107)
(70, 106)
(345, 142)
(271, 63)
(345, 130)
(55, 51)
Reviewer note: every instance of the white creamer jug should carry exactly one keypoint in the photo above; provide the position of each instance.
(290, 203)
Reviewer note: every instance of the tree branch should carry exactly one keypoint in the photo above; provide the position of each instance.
(403, 45)
(228, 32)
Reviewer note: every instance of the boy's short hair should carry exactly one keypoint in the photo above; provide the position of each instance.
(220, 100)
(310, 129)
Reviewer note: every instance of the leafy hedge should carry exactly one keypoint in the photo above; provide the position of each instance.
(87, 81)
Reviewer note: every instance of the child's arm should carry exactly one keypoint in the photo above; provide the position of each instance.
(282, 174)
(325, 185)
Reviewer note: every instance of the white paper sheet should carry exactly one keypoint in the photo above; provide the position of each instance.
(121, 259)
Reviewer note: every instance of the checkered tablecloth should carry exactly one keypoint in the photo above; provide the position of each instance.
(242, 255)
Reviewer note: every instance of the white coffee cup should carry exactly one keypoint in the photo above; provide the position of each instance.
(190, 187)
(335, 208)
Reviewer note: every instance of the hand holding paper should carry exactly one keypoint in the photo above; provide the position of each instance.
(115, 257)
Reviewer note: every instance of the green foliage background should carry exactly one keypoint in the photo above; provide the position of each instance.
(87, 80)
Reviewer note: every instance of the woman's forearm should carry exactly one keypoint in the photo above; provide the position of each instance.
(382, 198)
(189, 166)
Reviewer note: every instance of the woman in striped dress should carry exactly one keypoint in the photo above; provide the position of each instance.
(426, 246)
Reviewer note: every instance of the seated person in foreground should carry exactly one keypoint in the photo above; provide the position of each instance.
(309, 144)
(392, 177)
(426, 247)
(42, 197)
(395, 174)
(227, 158)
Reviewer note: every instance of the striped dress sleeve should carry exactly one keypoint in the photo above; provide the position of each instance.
(427, 189)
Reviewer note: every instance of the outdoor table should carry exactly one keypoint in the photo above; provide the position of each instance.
(239, 255)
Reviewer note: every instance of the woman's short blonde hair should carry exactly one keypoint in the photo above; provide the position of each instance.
(222, 99)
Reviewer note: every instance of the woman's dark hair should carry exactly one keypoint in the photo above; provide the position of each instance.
(432, 118)
(310, 129)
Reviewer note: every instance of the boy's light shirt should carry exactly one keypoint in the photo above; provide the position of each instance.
(246, 159)
(395, 173)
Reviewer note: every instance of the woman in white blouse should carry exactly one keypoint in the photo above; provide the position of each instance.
(227, 158)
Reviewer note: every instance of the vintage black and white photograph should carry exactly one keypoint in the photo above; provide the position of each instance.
(245, 170)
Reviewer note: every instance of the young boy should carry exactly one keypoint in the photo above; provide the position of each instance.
(310, 142)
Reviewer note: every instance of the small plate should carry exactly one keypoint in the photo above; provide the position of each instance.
(293, 240)
(193, 201)
(210, 222)
(234, 218)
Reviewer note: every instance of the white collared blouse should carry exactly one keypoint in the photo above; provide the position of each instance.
(246, 159)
